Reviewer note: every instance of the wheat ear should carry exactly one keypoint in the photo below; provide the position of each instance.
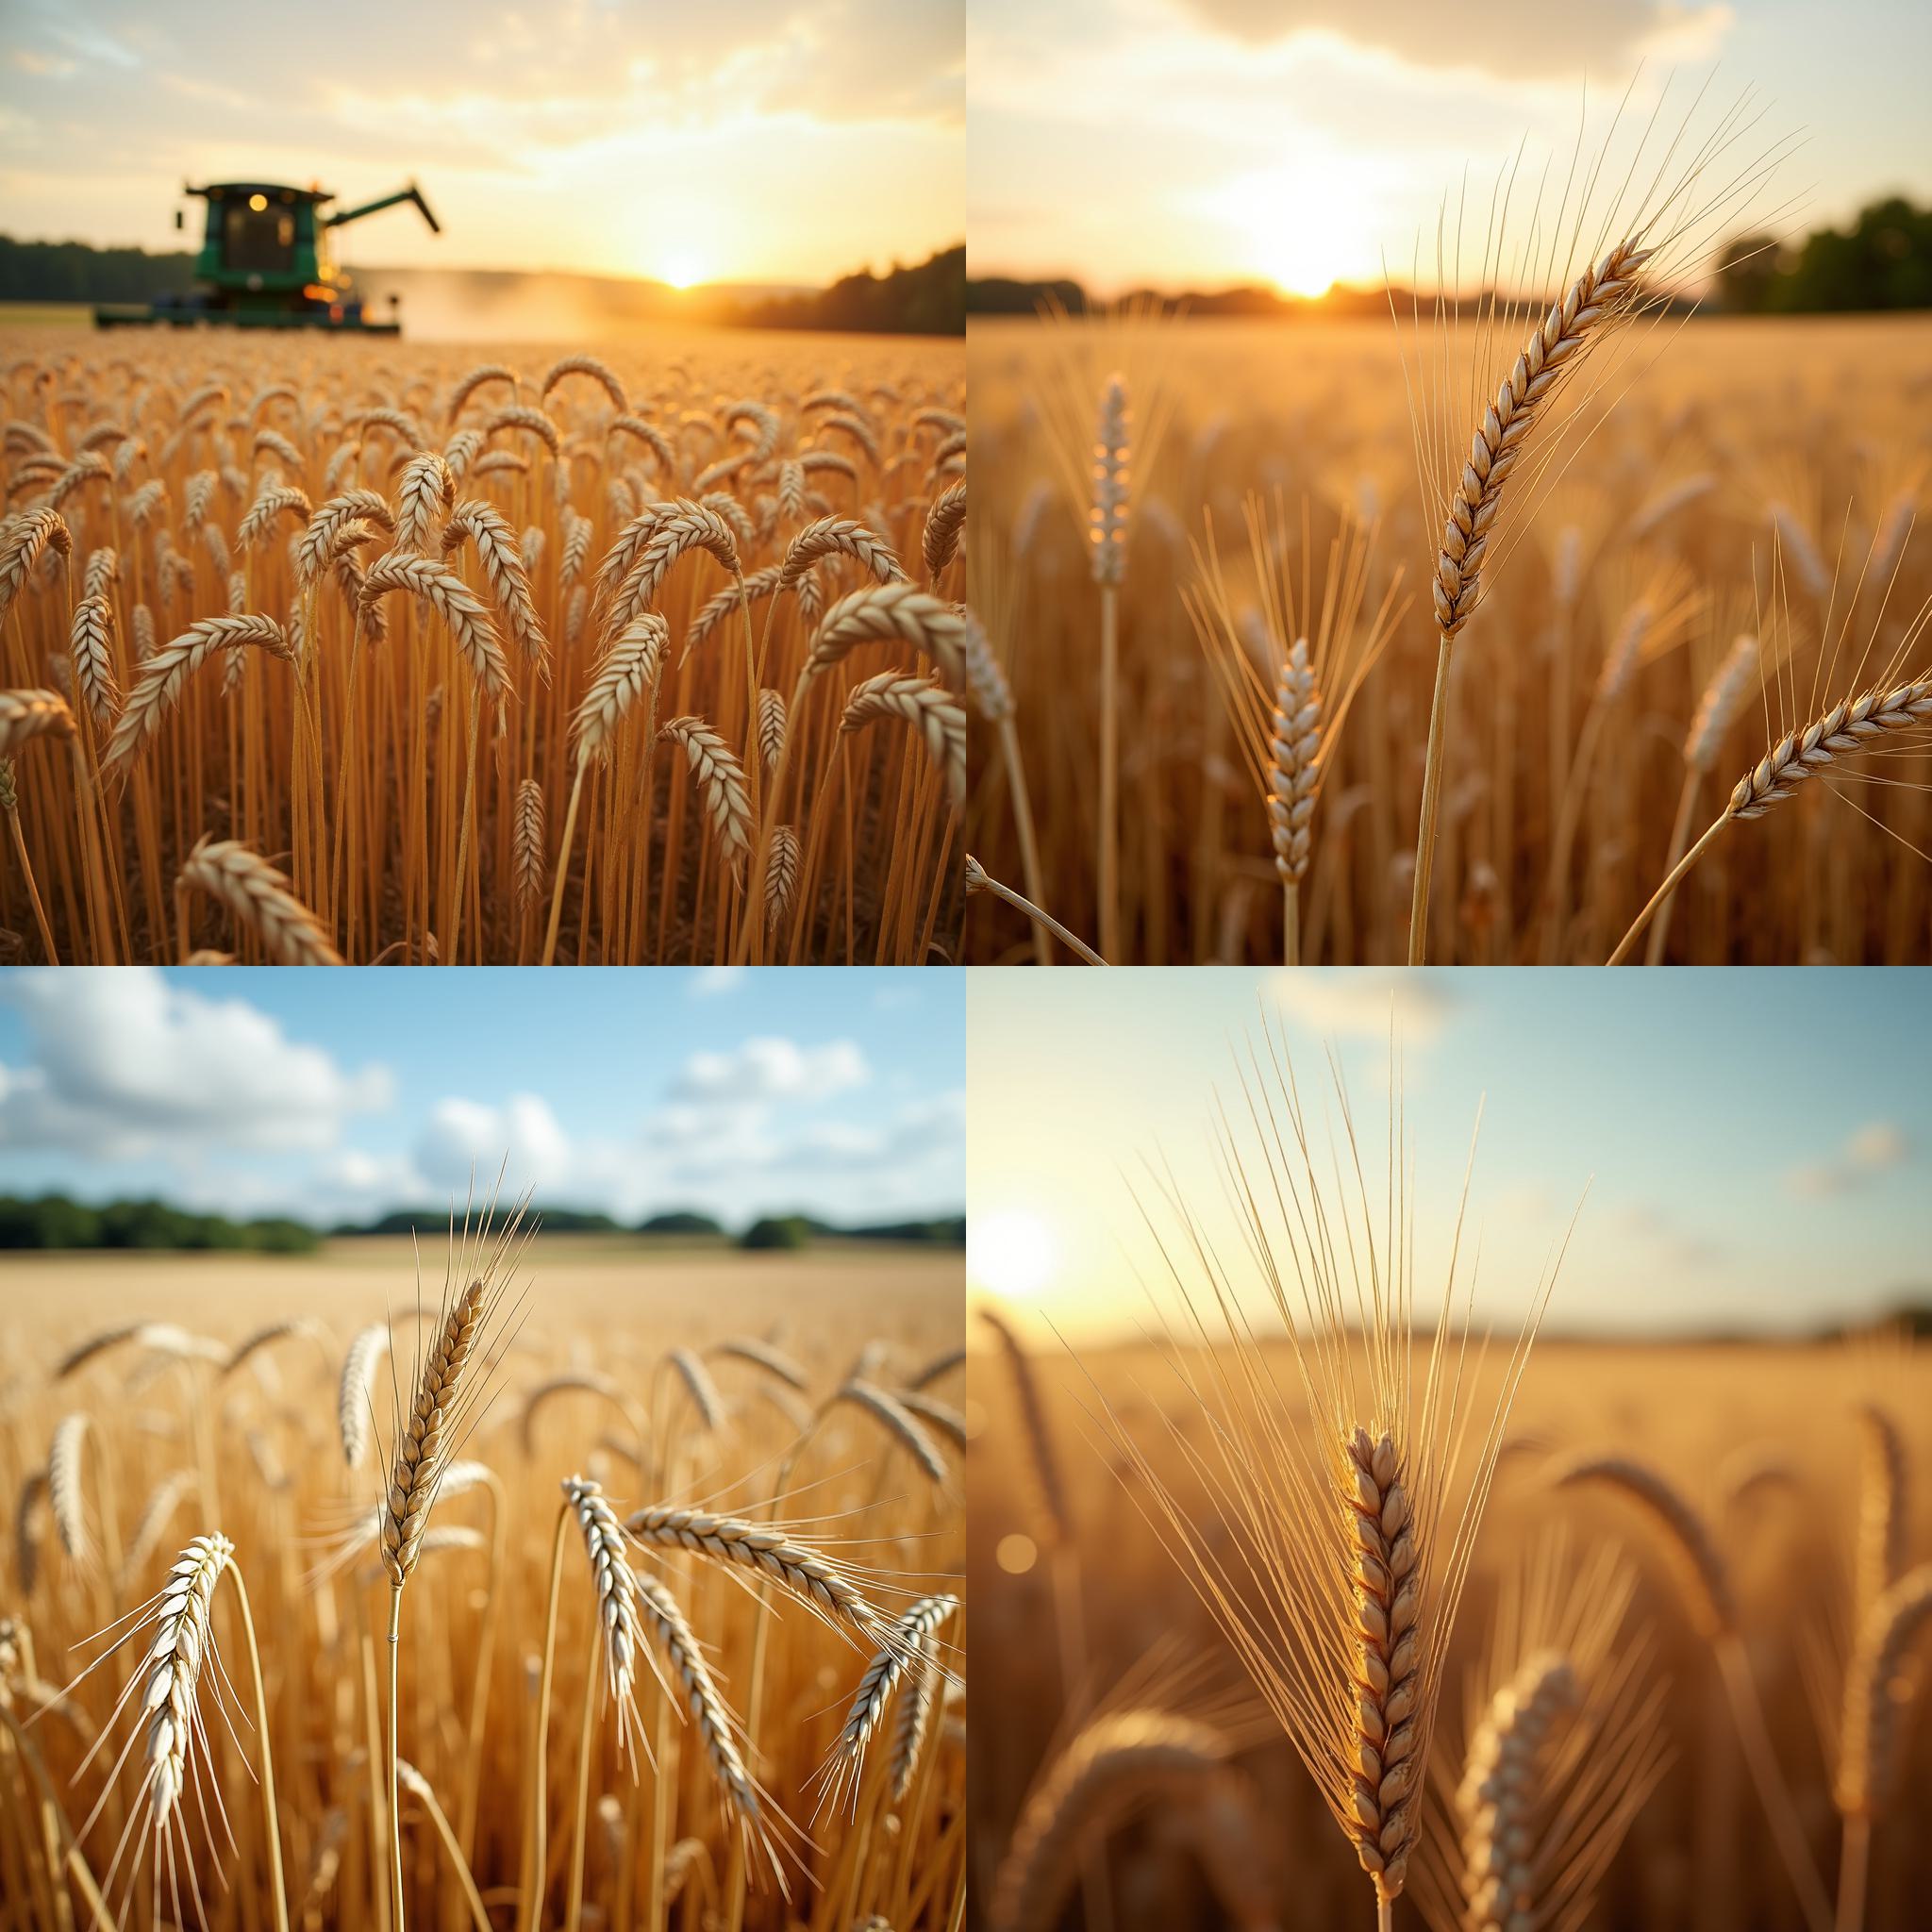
(164, 677)
(1848, 727)
(1114, 1766)
(259, 896)
(1583, 315)
(1701, 1571)
(357, 1386)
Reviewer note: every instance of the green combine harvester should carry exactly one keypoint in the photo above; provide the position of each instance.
(265, 262)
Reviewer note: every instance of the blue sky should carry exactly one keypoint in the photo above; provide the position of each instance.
(1755, 1147)
(338, 1094)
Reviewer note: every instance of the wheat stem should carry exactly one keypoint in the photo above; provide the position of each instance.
(1432, 803)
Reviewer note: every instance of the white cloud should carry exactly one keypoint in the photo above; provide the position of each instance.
(126, 1063)
(1366, 1003)
(465, 1137)
(771, 1068)
(1874, 1149)
(708, 982)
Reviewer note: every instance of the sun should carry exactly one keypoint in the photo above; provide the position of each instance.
(1014, 1251)
(1296, 228)
(683, 271)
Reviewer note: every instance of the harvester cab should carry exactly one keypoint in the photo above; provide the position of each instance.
(265, 262)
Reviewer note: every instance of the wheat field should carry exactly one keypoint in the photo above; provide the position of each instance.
(1716, 578)
(322, 649)
(1807, 1505)
(680, 1643)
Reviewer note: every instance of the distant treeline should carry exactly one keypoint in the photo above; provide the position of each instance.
(55, 1221)
(929, 300)
(926, 300)
(1882, 262)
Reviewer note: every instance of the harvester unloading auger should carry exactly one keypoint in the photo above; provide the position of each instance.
(265, 262)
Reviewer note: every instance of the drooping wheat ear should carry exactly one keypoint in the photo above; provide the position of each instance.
(915, 1720)
(617, 1597)
(1117, 1764)
(771, 727)
(682, 526)
(1882, 1512)
(289, 1328)
(1687, 1541)
(698, 1385)
(1670, 501)
(1846, 728)
(717, 1729)
(526, 845)
(940, 1366)
(944, 523)
(355, 1391)
(985, 680)
(275, 501)
(720, 783)
(925, 707)
(761, 1355)
(843, 537)
(897, 613)
(91, 638)
(103, 573)
(902, 1659)
(765, 1550)
(259, 895)
(164, 677)
(756, 587)
(316, 546)
(24, 539)
(781, 874)
(1052, 1500)
(165, 1497)
(1107, 523)
(497, 551)
(1879, 1688)
(453, 600)
(943, 1416)
(897, 1420)
(1600, 296)
(25, 714)
(630, 668)
(1800, 551)
(422, 1451)
(1294, 764)
(64, 1488)
(1504, 1774)
(599, 372)
(1384, 1821)
(473, 381)
(1718, 708)
(26, 1536)
(520, 416)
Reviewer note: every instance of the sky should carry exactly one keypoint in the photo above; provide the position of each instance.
(1201, 143)
(1743, 1150)
(760, 141)
(337, 1095)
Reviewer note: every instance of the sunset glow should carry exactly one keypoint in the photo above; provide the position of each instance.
(732, 142)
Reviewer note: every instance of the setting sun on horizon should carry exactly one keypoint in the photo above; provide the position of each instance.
(1201, 145)
(731, 143)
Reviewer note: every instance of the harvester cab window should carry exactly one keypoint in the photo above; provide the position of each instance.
(258, 239)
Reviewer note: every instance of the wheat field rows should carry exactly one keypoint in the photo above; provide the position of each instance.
(1588, 1764)
(319, 651)
(1711, 578)
(679, 1639)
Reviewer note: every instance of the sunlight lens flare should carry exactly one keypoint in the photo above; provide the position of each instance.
(1014, 1251)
